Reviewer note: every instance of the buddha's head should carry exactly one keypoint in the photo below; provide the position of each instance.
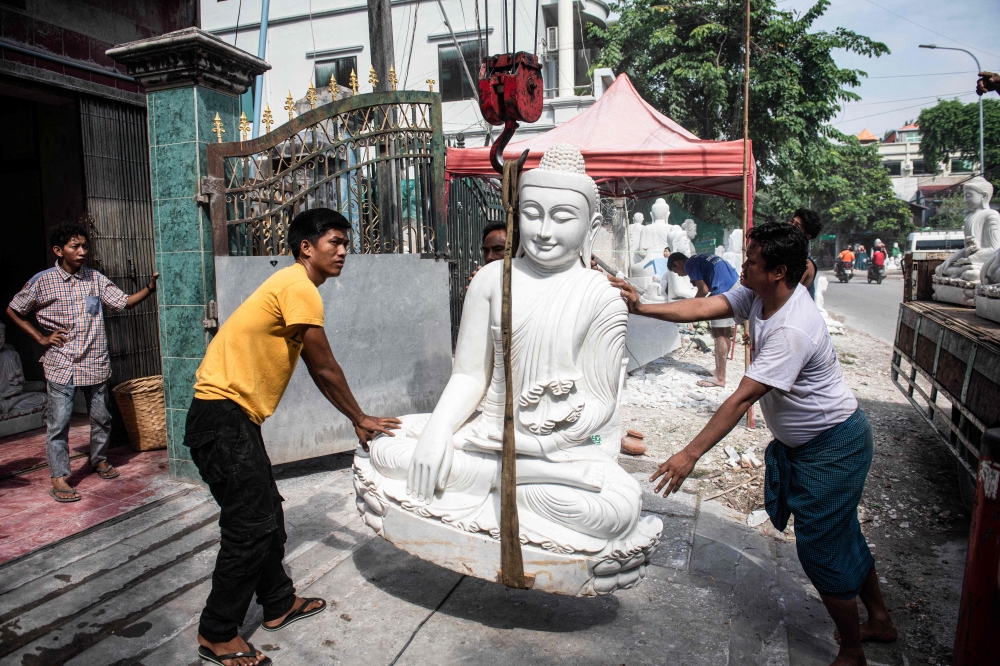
(559, 209)
(660, 212)
(977, 193)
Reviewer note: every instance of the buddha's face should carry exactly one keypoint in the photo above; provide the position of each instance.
(555, 225)
(973, 199)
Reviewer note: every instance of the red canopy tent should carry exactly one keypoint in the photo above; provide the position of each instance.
(631, 150)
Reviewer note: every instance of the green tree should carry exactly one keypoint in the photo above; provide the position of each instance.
(686, 58)
(847, 184)
(953, 127)
(950, 212)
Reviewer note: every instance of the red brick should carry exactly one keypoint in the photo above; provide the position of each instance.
(103, 80)
(16, 28)
(97, 49)
(49, 65)
(48, 37)
(18, 57)
(76, 46)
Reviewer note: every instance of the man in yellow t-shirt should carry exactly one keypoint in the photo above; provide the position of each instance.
(240, 381)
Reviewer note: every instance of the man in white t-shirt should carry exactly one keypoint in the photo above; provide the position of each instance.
(818, 462)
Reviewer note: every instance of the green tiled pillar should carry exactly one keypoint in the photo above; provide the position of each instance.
(189, 76)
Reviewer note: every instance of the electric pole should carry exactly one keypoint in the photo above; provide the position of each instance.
(380, 38)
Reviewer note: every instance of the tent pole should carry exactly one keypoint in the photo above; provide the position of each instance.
(746, 175)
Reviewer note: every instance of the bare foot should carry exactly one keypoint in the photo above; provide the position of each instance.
(850, 658)
(316, 603)
(235, 645)
(875, 632)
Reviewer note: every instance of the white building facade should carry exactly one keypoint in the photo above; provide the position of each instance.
(310, 41)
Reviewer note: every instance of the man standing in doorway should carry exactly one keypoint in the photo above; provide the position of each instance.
(819, 459)
(240, 381)
(67, 301)
(711, 275)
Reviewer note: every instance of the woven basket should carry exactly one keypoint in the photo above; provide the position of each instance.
(140, 402)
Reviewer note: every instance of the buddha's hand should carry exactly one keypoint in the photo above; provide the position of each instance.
(368, 427)
(431, 462)
(628, 292)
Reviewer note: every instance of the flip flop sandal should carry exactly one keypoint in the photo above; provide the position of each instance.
(210, 656)
(53, 491)
(296, 615)
(109, 473)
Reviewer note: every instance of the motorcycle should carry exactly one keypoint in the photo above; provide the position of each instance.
(844, 271)
(875, 273)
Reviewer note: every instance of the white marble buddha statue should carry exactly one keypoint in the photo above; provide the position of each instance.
(982, 233)
(634, 232)
(14, 398)
(434, 488)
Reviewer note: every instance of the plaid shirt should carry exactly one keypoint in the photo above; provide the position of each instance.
(72, 303)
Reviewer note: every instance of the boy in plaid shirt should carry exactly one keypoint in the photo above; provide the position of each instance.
(67, 301)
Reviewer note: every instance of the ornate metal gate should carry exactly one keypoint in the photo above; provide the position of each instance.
(377, 158)
(472, 206)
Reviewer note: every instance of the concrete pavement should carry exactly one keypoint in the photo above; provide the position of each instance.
(130, 592)
(869, 308)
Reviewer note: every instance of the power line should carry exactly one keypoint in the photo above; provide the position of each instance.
(881, 113)
(939, 34)
(903, 76)
(907, 99)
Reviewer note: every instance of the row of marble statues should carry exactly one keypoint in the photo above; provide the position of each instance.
(967, 275)
(648, 244)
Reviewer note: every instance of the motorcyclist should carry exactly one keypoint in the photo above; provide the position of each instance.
(878, 260)
(846, 260)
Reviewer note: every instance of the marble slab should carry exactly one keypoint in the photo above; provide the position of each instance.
(946, 293)
(988, 308)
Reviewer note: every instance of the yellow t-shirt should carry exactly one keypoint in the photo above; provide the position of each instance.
(252, 357)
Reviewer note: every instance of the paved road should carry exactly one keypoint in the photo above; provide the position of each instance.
(870, 308)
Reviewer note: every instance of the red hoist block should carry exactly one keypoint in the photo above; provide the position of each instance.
(979, 611)
(510, 88)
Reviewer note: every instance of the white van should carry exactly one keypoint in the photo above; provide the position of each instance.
(935, 241)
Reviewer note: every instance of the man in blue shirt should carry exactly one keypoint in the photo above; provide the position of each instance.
(711, 275)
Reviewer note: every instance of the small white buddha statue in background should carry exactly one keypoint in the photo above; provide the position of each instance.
(982, 233)
(634, 232)
(442, 470)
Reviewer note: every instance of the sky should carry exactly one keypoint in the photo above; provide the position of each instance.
(899, 84)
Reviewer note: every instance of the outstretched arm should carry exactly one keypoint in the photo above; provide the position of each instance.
(142, 294)
(330, 379)
(679, 466)
(683, 311)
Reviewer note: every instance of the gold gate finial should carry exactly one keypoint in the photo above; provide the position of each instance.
(334, 88)
(290, 105)
(311, 95)
(393, 79)
(217, 127)
(244, 126)
(354, 82)
(267, 118)
(372, 79)
(430, 83)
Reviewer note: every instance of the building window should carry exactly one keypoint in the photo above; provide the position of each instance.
(455, 86)
(339, 68)
(894, 168)
(912, 137)
(961, 166)
(919, 168)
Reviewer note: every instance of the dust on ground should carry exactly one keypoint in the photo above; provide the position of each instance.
(913, 517)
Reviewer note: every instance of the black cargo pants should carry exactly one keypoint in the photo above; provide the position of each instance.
(228, 450)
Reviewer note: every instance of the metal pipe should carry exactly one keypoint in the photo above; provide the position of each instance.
(261, 50)
(67, 62)
(982, 154)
